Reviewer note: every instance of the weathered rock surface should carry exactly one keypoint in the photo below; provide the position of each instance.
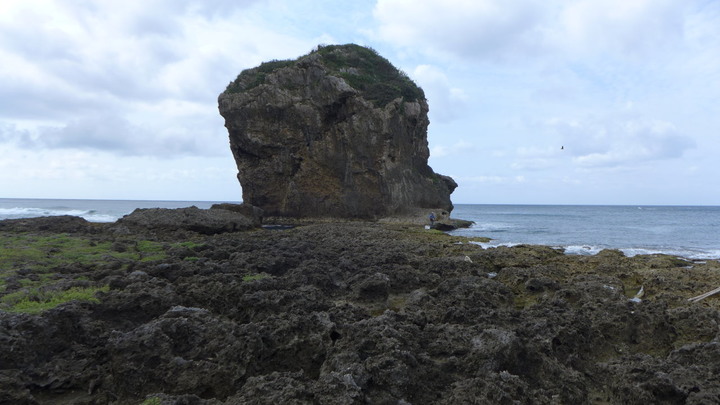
(193, 219)
(60, 223)
(336, 133)
(371, 314)
(255, 214)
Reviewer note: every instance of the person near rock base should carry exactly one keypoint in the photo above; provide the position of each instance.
(432, 218)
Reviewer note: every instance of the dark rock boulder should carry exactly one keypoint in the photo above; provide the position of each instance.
(451, 224)
(250, 211)
(60, 224)
(339, 132)
(193, 219)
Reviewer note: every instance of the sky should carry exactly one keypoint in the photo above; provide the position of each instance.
(531, 101)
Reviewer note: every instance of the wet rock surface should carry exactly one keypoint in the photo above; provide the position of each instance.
(358, 313)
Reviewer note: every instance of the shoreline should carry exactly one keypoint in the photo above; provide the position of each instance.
(455, 228)
(506, 230)
(575, 250)
(345, 313)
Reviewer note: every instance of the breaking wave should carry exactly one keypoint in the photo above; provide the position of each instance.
(682, 231)
(32, 212)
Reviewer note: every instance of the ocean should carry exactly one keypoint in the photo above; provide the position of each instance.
(91, 210)
(692, 232)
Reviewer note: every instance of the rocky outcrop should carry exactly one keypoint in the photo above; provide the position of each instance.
(249, 211)
(59, 223)
(339, 132)
(358, 313)
(193, 219)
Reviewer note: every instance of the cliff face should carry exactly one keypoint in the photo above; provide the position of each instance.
(338, 133)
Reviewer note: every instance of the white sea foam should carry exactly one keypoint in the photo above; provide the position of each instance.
(20, 211)
(682, 231)
(493, 227)
(589, 250)
(91, 210)
(33, 212)
(710, 255)
(582, 250)
(630, 252)
(586, 250)
(488, 245)
(29, 212)
(100, 218)
(686, 253)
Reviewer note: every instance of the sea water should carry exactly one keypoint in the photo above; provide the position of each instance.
(91, 210)
(687, 231)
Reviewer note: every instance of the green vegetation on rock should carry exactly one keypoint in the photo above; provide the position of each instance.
(152, 401)
(365, 70)
(254, 77)
(43, 252)
(433, 316)
(253, 277)
(39, 272)
(35, 300)
(362, 68)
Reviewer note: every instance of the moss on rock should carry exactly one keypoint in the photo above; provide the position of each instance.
(361, 67)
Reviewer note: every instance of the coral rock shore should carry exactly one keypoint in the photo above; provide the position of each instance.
(361, 313)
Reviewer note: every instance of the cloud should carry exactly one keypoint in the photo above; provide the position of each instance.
(93, 49)
(457, 148)
(100, 133)
(132, 85)
(615, 140)
(534, 158)
(112, 133)
(446, 102)
(66, 173)
(633, 28)
(479, 29)
(138, 78)
(622, 141)
(126, 49)
(490, 179)
(10, 133)
(498, 30)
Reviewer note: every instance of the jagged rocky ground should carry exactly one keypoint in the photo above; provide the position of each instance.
(357, 313)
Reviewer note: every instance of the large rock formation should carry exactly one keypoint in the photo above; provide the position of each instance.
(339, 132)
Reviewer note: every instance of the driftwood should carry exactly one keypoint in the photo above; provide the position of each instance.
(703, 296)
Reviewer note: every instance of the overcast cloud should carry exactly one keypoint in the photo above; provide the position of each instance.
(583, 101)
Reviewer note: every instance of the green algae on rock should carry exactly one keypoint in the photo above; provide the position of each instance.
(359, 313)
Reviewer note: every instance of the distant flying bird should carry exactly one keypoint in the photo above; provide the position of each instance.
(562, 147)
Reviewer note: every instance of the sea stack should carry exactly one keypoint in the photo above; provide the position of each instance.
(338, 133)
